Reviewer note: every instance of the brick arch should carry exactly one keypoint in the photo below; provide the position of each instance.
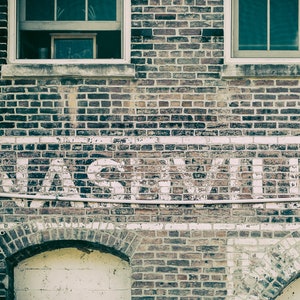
(28, 239)
(271, 274)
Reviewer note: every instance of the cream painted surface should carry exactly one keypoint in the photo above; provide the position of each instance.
(69, 273)
(291, 292)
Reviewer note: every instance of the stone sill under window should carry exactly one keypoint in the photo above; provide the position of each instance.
(68, 70)
(261, 71)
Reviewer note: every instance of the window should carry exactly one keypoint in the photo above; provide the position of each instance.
(263, 29)
(57, 30)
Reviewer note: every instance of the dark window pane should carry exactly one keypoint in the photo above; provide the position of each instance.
(37, 44)
(284, 25)
(253, 24)
(102, 10)
(73, 48)
(71, 10)
(109, 44)
(34, 44)
(39, 10)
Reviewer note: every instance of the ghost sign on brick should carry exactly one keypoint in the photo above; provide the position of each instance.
(150, 170)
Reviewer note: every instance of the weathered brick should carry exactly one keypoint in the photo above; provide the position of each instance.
(176, 131)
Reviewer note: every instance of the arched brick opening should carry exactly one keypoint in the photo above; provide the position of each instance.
(69, 270)
(29, 239)
(270, 275)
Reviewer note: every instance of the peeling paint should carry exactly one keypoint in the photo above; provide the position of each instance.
(129, 179)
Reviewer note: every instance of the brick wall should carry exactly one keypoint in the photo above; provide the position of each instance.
(213, 252)
(139, 166)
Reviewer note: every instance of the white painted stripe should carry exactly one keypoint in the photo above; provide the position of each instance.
(153, 140)
(151, 226)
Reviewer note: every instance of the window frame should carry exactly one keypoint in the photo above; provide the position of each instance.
(232, 55)
(123, 20)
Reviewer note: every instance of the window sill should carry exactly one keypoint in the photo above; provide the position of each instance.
(67, 70)
(261, 71)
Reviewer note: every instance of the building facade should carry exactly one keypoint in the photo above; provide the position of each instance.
(148, 150)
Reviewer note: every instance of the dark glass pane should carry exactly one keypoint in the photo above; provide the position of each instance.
(102, 10)
(284, 25)
(253, 24)
(35, 44)
(71, 10)
(73, 48)
(39, 10)
(109, 44)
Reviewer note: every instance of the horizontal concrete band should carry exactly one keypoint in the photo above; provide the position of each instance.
(190, 140)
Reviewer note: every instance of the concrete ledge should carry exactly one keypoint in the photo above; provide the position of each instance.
(68, 70)
(265, 71)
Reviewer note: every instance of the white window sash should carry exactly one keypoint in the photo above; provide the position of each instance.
(123, 23)
(233, 55)
(63, 25)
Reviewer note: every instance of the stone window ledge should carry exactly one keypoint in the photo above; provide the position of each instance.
(68, 70)
(261, 71)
